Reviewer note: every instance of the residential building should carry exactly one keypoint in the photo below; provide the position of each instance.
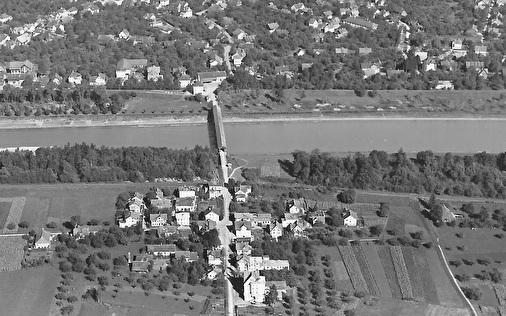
(239, 34)
(215, 191)
(214, 257)
(81, 231)
(276, 230)
(283, 71)
(4, 18)
(198, 88)
(44, 241)
(162, 250)
(444, 85)
(124, 34)
(183, 218)
(212, 77)
(361, 23)
(447, 215)
(165, 231)
(75, 78)
(350, 218)
(422, 55)
(476, 65)
(281, 288)
(187, 204)
(186, 191)
(184, 81)
(254, 287)
(296, 206)
(125, 68)
(261, 219)
(260, 263)
(211, 215)
(242, 229)
(99, 80)
(243, 249)
(481, 50)
(153, 73)
(131, 219)
(370, 69)
(298, 228)
(215, 60)
(188, 256)
(317, 217)
(364, 50)
(158, 220)
(289, 218)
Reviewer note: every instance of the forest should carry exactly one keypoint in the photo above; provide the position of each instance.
(89, 163)
(479, 175)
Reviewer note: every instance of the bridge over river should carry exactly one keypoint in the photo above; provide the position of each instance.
(218, 141)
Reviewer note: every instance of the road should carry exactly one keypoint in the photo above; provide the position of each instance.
(226, 57)
(225, 238)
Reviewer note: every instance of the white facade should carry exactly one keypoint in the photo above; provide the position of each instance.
(183, 218)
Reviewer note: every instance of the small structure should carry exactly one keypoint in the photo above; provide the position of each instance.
(154, 73)
(44, 241)
(157, 220)
(162, 250)
(85, 230)
(75, 78)
(183, 218)
(360, 23)
(350, 218)
(444, 85)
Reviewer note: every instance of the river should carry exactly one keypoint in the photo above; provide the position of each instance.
(283, 137)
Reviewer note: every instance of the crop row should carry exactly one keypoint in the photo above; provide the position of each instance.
(401, 272)
(11, 252)
(427, 282)
(414, 273)
(351, 264)
(15, 213)
(366, 270)
(388, 267)
(500, 292)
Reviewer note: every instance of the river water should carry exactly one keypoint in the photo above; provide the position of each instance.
(283, 137)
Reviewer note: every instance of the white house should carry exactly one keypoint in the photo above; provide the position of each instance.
(350, 218)
(186, 191)
(75, 78)
(44, 241)
(254, 288)
(276, 230)
(242, 229)
(187, 204)
(215, 191)
(212, 215)
(157, 219)
(130, 220)
(183, 218)
(184, 81)
(162, 250)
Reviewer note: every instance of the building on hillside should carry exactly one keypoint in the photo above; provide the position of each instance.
(183, 218)
(261, 219)
(125, 68)
(184, 81)
(299, 227)
(212, 215)
(211, 77)
(99, 80)
(166, 231)
(444, 85)
(153, 73)
(243, 249)
(242, 229)
(254, 287)
(161, 250)
(281, 288)
(288, 219)
(350, 218)
(131, 219)
(276, 230)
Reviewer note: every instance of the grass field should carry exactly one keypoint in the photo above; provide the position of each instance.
(4, 212)
(339, 101)
(371, 253)
(61, 201)
(398, 307)
(162, 103)
(27, 292)
(447, 294)
(11, 252)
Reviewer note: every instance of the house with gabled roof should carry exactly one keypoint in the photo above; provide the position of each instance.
(481, 50)
(242, 229)
(44, 241)
(276, 230)
(75, 78)
(289, 218)
(182, 218)
(239, 34)
(299, 227)
(188, 256)
(163, 250)
(243, 248)
(187, 204)
(211, 214)
(284, 71)
(158, 219)
(370, 69)
(350, 218)
(99, 80)
(364, 50)
(360, 23)
(125, 68)
(80, 231)
(211, 77)
(272, 27)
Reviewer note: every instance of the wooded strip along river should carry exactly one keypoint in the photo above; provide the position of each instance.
(440, 135)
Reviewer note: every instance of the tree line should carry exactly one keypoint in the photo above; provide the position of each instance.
(89, 163)
(480, 174)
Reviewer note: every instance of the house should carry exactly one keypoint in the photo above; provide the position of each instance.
(141, 263)
(160, 264)
(476, 65)
(23, 39)
(4, 39)
(184, 81)
(142, 40)
(283, 71)
(243, 249)
(313, 23)
(254, 287)
(298, 7)
(243, 217)
(127, 67)
(369, 69)
(215, 191)
(350, 218)
(457, 44)
(444, 85)
(360, 23)
(276, 230)
(198, 88)
(272, 27)
(422, 55)
(364, 50)
(186, 12)
(214, 257)
(91, 8)
(481, 50)
(44, 241)
(296, 206)
(239, 34)
(187, 204)
(483, 73)
(162, 250)
(331, 27)
(154, 73)
(183, 218)
(238, 57)
(289, 218)
(157, 219)
(215, 60)
(305, 66)
(260, 263)
(99, 80)
(4, 18)
(298, 228)
(211, 215)
(186, 191)
(82, 231)
(447, 215)
(188, 256)
(131, 219)
(343, 51)
(124, 35)
(261, 219)
(317, 217)
(242, 229)
(430, 64)
(75, 78)
(166, 231)
(211, 77)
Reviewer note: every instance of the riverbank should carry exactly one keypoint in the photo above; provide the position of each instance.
(170, 120)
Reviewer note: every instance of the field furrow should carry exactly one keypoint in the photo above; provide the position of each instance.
(401, 272)
(365, 268)
(371, 253)
(413, 272)
(351, 264)
(427, 283)
(388, 267)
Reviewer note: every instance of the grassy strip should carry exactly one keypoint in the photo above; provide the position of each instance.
(356, 277)
(500, 292)
(422, 265)
(414, 273)
(402, 272)
(366, 270)
(388, 267)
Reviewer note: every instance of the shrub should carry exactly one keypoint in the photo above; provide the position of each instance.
(472, 293)
(483, 261)
(23, 224)
(11, 226)
(347, 196)
(455, 263)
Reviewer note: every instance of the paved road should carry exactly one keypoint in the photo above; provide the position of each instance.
(226, 57)
(225, 238)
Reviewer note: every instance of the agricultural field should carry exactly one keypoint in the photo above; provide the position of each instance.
(28, 292)
(5, 206)
(11, 252)
(398, 307)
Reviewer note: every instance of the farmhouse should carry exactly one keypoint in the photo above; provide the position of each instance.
(350, 218)
(212, 77)
(44, 240)
(126, 67)
(162, 250)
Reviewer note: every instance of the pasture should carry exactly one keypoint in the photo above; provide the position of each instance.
(28, 292)
(159, 102)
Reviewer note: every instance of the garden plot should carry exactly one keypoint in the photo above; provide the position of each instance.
(401, 272)
(388, 267)
(365, 268)
(426, 279)
(11, 252)
(371, 253)
(15, 213)
(356, 277)
(414, 273)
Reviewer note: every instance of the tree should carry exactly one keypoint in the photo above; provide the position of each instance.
(75, 220)
(11, 226)
(347, 196)
(384, 209)
(103, 281)
(272, 296)
(211, 239)
(495, 275)
(23, 224)
(376, 230)
(472, 293)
